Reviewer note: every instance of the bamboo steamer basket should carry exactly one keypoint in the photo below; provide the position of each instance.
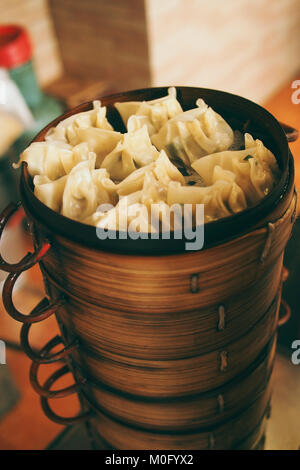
(180, 377)
(192, 412)
(169, 348)
(227, 435)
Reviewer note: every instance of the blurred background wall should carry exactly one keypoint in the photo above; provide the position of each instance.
(104, 39)
(250, 47)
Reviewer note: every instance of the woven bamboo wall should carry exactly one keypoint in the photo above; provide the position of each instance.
(104, 40)
(35, 16)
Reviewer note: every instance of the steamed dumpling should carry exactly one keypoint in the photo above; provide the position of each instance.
(93, 118)
(45, 158)
(137, 122)
(133, 182)
(139, 180)
(129, 214)
(154, 113)
(53, 159)
(86, 189)
(221, 199)
(193, 134)
(79, 153)
(50, 192)
(140, 191)
(99, 141)
(161, 172)
(115, 218)
(253, 169)
(151, 191)
(134, 151)
(90, 128)
(165, 171)
(263, 155)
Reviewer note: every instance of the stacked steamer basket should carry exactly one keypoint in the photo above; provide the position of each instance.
(170, 349)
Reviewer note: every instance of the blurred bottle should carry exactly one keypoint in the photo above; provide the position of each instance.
(24, 111)
(15, 117)
(16, 58)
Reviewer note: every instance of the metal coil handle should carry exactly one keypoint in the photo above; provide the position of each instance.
(290, 132)
(284, 313)
(83, 416)
(36, 365)
(43, 358)
(45, 308)
(30, 259)
(42, 311)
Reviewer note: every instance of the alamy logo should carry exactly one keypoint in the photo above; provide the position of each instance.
(296, 354)
(2, 352)
(185, 221)
(296, 94)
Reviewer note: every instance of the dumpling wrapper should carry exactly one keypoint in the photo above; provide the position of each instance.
(99, 141)
(133, 182)
(165, 171)
(96, 117)
(254, 169)
(45, 158)
(134, 151)
(161, 172)
(86, 189)
(154, 113)
(221, 199)
(50, 192)
(53, 159)
(193, 134)
(79, 154)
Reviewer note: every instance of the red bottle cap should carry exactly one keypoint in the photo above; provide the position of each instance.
(15, 46)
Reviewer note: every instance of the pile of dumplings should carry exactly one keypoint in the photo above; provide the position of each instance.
(167, 156)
